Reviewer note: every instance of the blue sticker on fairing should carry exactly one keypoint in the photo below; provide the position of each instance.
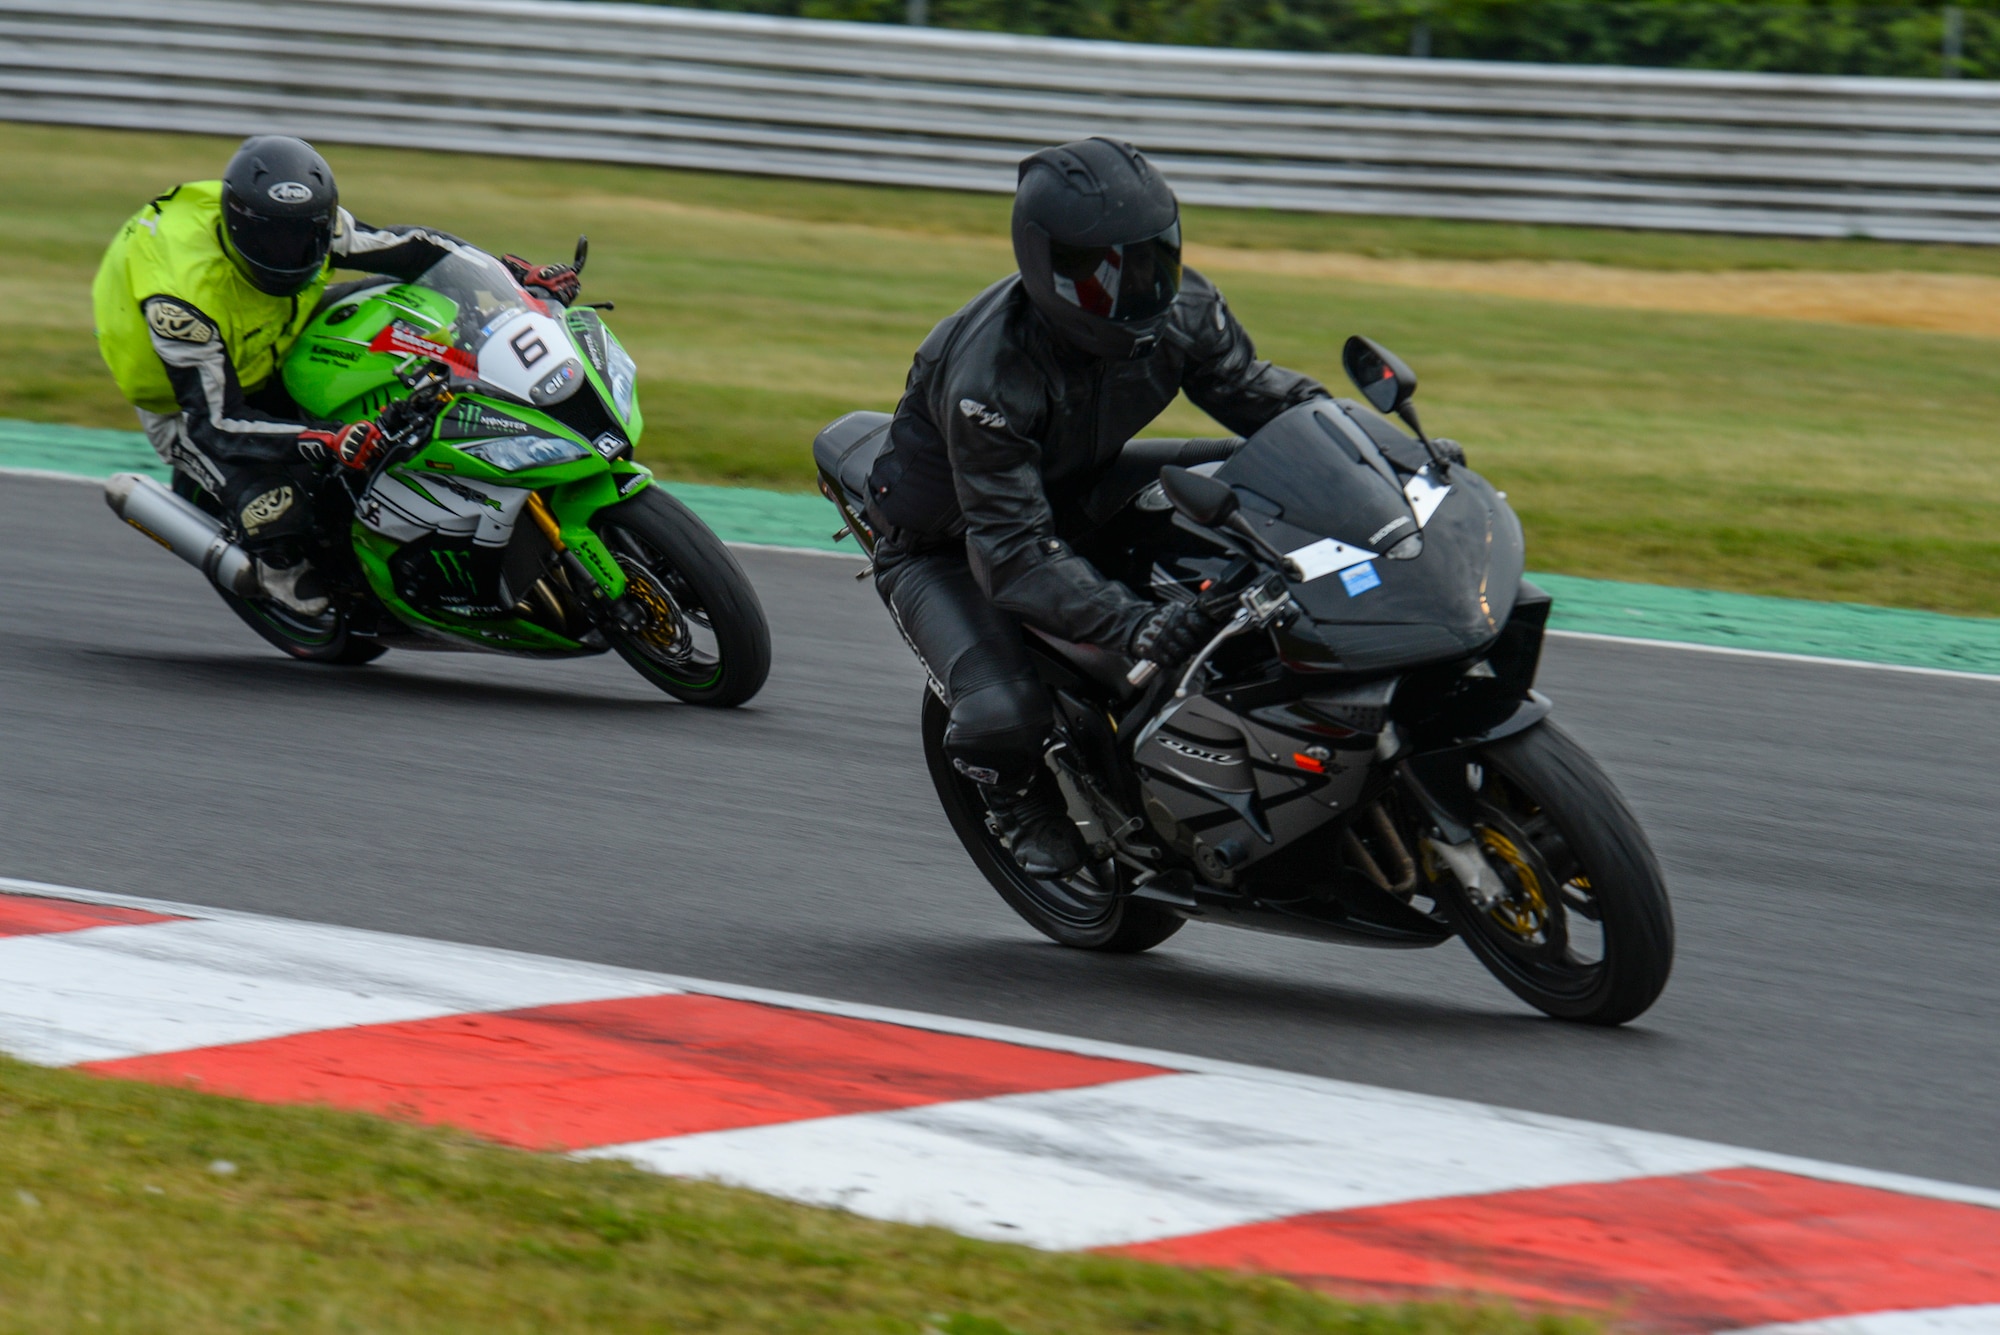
(1359, 579)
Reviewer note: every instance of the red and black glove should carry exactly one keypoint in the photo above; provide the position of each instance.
(353, 446)
(558, 282)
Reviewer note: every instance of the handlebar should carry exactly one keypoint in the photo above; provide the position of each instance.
(1259, 605)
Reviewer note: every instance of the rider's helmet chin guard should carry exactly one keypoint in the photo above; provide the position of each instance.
(279, 210)
(1097, 237)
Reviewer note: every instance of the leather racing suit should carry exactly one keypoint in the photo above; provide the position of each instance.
(1008, 447)
(195, 348)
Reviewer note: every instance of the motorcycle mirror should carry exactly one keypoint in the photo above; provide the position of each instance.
(1378, 373)
(582, 253)
(1203, 499)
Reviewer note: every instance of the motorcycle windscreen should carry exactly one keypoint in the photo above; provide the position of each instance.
(1312, 475)
(521, 349)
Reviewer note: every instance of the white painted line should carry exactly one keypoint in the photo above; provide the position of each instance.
(1926, 1321)
(798, 551)
(1816, 660)
(1636, 640)
(125, 991)
(1158, 1157)
(50, 475)
(1480, 1119)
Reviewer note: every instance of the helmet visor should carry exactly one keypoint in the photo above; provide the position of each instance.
(1124, 283)
(281, 245)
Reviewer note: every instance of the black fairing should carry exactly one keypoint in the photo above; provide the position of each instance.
(1322, 472)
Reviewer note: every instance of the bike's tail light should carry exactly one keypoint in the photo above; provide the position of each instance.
(514, 453)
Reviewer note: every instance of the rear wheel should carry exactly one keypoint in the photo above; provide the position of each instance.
(325, 638)
(705, 639)
(1087, 911)
(1577, 924)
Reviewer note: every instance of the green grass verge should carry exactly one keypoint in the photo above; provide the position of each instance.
(1761, 456)
(113, 1217)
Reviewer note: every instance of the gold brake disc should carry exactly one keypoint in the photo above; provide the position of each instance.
(1525, 911)
(662, 618)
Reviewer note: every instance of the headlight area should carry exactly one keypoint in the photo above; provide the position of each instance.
(514, 453)
(622, 374)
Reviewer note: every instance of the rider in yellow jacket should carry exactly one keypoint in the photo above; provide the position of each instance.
(198, 299)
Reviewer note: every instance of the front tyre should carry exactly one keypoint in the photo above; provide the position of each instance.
(704, 638)
(1578, 924)
(325, 638)
(1086, 911)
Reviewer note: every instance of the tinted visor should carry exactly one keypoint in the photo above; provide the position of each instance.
(1120, 283)
(283, 245)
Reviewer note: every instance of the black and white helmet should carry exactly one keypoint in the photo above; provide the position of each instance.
(1097, 235)
(279, 210)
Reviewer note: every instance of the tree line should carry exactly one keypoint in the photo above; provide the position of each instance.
(1805, 36)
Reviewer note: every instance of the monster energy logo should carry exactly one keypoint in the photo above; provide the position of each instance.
(467, 418)
(453, 566)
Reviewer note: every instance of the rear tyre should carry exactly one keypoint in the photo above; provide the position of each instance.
(706, 640)
(325, 638)
(1582, 929)
(1087, 911)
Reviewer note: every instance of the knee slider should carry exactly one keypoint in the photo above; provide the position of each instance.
(999, 726)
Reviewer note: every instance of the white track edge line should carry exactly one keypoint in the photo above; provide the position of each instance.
(1638, 640)
(54, 475)
(1816, 660)
(1173, 1061)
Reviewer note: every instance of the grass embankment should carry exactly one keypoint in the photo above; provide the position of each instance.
(1641, 435)
(127, 1207)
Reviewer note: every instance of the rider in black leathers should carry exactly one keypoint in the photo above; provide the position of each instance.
(1013, 441)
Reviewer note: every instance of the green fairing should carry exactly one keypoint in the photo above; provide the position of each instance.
(331, 374)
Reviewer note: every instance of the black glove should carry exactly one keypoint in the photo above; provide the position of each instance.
(1448, 449)
(559, 282)
(1172, 633)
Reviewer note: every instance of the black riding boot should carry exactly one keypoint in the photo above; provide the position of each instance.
(1035, 825)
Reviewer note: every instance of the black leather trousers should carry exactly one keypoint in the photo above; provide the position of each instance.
(974, 652)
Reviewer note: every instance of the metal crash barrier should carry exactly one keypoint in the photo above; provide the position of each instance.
(1782, 154)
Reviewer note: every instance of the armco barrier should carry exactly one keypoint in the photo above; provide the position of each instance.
(1787, 154)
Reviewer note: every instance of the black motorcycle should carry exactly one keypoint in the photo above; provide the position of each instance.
(1358, 755)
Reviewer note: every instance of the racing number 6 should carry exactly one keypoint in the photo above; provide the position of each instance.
(528, 346)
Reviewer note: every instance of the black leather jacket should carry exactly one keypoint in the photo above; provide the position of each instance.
(1002, 432)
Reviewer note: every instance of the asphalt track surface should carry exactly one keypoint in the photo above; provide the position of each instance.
(1829, 835)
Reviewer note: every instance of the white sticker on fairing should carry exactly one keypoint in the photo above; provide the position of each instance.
(522, 355)
(1425, 495)
(1326, 556)
(403, 509)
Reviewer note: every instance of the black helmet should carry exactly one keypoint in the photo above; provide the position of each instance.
(1098, 237)
(278, 209)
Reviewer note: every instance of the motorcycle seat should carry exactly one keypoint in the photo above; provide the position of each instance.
(846, 450)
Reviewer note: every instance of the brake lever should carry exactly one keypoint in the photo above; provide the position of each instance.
(1256, 607)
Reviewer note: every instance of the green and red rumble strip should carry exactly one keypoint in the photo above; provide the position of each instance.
(997, 1133)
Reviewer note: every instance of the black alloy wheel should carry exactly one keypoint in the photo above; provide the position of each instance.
(703, 638)
(1088, 911)
(1580, 927)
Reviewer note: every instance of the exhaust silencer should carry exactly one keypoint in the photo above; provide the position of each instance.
(184, 530)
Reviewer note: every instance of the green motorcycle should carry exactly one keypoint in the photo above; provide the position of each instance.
(507, 513)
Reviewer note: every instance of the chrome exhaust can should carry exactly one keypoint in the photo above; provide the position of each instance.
(182, 528)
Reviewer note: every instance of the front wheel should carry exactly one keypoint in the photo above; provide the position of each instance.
(704, 639)
(1572, 913)
(1087, 911)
